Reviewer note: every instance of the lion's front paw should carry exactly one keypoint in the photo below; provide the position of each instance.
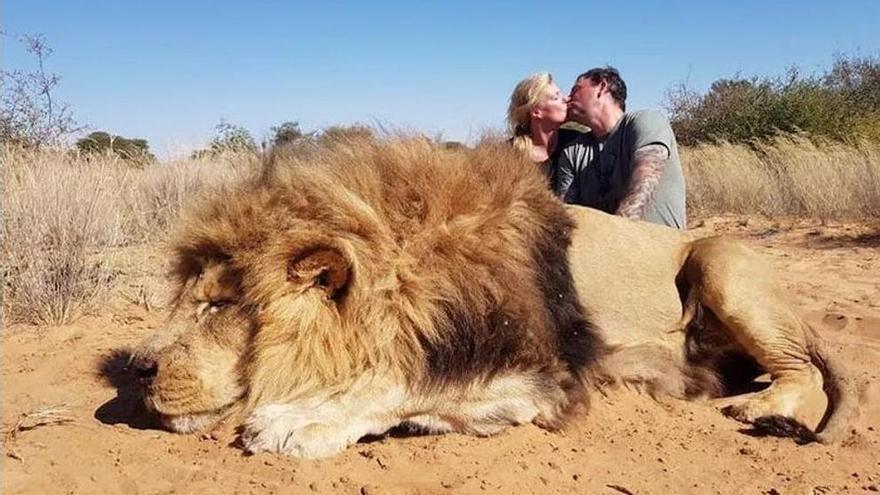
(285, 430)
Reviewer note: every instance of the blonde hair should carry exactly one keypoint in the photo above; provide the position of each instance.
(525, 96)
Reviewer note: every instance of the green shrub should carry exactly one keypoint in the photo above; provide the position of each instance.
(842, 104)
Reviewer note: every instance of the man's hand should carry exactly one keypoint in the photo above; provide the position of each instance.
(648, 164)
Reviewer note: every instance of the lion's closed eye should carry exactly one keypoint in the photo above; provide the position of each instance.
(219, 304)
(212, 307)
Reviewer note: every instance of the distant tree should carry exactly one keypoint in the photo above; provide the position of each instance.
(29, 113)
(231, 137)
(454, 145)
(858, 78)
(288, 133)
(100, 142)
(345, 133)
(228, 138)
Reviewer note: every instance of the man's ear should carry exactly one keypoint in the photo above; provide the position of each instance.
(323, 267)
(603, 88)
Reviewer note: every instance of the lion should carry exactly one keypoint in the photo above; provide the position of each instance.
(390, 283)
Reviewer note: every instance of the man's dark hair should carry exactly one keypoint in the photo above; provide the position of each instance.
(612, 79)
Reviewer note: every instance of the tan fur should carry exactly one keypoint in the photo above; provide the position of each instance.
(307, 301)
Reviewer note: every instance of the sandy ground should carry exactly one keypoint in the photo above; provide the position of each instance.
(99, 441)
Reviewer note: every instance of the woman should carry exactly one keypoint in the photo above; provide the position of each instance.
(537, 109)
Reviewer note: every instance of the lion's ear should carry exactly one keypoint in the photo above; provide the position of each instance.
(325, 268)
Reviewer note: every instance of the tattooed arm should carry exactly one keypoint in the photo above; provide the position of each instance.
(648, 164)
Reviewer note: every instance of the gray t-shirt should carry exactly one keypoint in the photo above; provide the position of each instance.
(596, 173)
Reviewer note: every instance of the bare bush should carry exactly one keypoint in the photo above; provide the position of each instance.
(29, 113)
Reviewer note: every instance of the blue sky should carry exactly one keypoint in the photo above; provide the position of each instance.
(168, 71)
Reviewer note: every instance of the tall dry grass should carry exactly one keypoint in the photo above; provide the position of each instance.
(62, 210)
(788, 176)
(63, 213)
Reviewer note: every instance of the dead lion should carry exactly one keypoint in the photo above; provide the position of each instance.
(392, 282)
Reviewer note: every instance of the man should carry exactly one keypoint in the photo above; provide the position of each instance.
(628, 163)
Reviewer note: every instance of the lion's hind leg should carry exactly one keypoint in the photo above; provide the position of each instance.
(736, 286)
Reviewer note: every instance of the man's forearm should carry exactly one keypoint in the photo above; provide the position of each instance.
(648, 165)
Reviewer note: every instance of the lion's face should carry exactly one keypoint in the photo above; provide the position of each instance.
(192, 369)
(208, 358)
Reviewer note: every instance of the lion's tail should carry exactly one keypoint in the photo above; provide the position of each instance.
(844, 390)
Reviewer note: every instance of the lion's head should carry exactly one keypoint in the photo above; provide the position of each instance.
(311, 278)
(248, 279)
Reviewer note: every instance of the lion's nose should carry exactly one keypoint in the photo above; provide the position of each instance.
(145, 370)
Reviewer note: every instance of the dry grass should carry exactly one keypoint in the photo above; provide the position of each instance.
(38, 418)
(790, 176)
(55, 212)
(62, 213)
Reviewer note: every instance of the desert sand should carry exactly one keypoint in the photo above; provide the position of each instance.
(72, 422)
